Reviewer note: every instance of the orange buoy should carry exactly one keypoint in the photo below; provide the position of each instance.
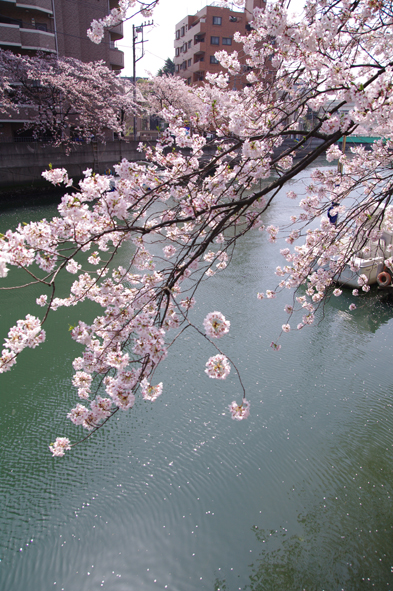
(384, 279)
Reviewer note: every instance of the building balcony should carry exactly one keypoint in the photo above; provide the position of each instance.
(37, 40)
(10, 35)
(193, 32)
(116, 33)
(199, 57)
(197, 29)
(116, 59)
(200, 65)
(198, 77)
(198, 47)
(41, 5)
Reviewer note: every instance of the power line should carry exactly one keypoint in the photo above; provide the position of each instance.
(157, 56)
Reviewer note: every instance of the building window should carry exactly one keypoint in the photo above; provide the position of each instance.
(178, 34)
(189, 43)
(177, 51)
(183, 31)
(217, 20)
(215, 40)
(213, 60)
(189, 62)
(177, 67)
(227, 40)
(184, 48)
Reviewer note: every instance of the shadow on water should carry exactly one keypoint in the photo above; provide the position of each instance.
(30, 197)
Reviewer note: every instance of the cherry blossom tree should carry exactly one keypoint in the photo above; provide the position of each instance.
(64, 99)
(167, 91)
(183, 215)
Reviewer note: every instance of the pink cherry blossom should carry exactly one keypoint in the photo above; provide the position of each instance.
(241, 411)
(218, 367)
(215, 324)
(73, 267)
(188, 303)
(169, 251)
(60, 446)
(362, 280)
(41, 301)
(151, 392)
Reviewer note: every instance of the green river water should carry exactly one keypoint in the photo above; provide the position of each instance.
(175, 495)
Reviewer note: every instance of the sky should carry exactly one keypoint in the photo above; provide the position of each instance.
(161, 35)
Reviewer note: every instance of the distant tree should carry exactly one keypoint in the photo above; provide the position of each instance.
(169, 67)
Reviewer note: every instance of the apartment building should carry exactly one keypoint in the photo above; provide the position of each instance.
(198, 37)
(59, 26)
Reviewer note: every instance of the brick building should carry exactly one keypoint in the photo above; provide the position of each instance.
(199, 36)
(59, 26)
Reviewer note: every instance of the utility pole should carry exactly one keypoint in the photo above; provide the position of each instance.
(135, 32)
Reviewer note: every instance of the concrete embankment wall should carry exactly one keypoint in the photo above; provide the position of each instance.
(21, 164)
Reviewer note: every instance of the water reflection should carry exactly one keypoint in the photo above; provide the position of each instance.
(373, 310)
